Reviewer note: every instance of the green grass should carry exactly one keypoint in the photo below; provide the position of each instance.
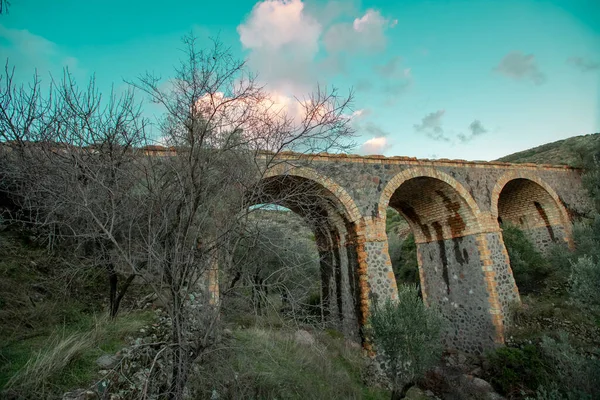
(265, 364)
(65, 358)
(52, 321)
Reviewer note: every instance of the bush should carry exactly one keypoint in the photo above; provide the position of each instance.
(407, 337)
(529, 267)
(585, 282)
(512, 370)
(575, 374)
(550, 369)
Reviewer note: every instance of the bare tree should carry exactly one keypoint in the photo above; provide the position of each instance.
(66, 162)
(4, 4)
(217, 121)
(162, 208)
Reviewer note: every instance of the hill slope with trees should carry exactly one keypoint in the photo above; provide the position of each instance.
(571, 151)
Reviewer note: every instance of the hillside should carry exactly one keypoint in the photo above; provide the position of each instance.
(568, 151)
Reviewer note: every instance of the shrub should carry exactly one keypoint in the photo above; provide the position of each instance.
(551, 369)
(585, 281)
(529, 267)
(407, 336)
(587, 238)
(575, 374)
(512, 370)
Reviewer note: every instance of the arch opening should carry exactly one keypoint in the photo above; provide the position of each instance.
(402, 249)
(332, 231)
(449, 255)
(531, 208)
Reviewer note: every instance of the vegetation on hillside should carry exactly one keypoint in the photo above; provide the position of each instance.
(553, 340)
(402, 248)
(572, 151)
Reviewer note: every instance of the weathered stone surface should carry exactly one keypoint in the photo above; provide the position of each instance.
(414, 393)
(453, 208)
(108, 361)
(452, 384)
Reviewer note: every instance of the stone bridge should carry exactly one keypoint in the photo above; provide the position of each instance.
(453, 207)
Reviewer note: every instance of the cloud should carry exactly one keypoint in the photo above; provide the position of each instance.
(363, 34)
(283, 40)
(476, 129)
(331, 11)
(361, 113)
(397, 78)
(391, 68)
(519, 66)
(378, 141)
(584, 64)
(274, 24)
(431, 126)
(28, 51)
(376, 145)
(375, 130)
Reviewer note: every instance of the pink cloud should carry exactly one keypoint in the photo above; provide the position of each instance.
(275, 23)
(371, 20)
(283, 40)
(376, 145)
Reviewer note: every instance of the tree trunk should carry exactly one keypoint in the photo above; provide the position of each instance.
(180, 361)
(115, 295)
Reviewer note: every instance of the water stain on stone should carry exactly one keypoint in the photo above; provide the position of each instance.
(442, 247)
(458, 255)
(544, 216)
(455, 221)
(411, 214)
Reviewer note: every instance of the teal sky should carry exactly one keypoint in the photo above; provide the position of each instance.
(473, 79)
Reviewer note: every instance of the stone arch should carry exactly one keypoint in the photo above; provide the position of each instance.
(456, 269)
(526, 200)
(350, 209)
(445, 184)
(333, 217)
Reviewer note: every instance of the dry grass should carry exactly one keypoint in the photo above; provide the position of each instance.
(59, 351)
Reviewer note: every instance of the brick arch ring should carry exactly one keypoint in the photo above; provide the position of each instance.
(349, 207)
(531, 176)
(426, 172)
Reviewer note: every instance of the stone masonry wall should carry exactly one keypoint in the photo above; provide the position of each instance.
(464, 266)
(454, 281)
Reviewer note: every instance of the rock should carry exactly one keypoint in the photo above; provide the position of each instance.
(108, 361)
(478, 385)
(304, 338)
(80, 394)
(414, 393)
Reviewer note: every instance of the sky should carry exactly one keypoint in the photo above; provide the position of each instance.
(458, 79)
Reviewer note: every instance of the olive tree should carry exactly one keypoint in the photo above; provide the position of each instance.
(407, 338)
